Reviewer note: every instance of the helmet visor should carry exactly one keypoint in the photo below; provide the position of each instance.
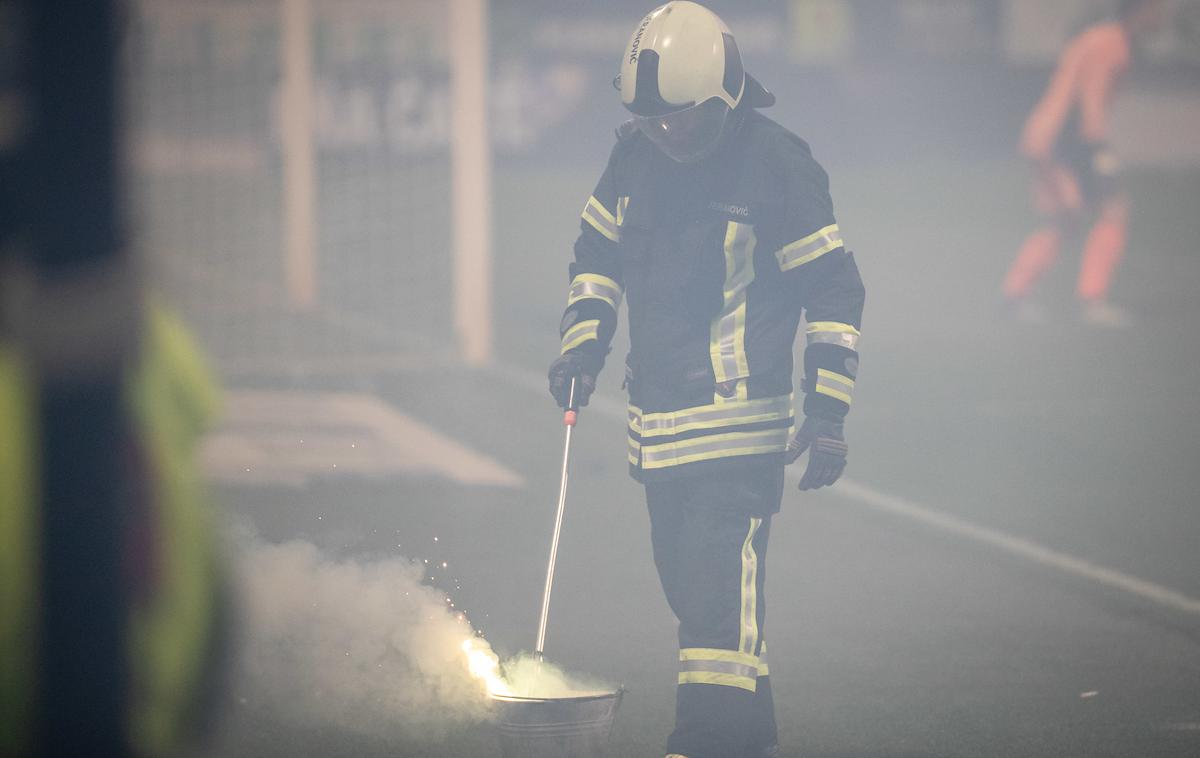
(689, 134)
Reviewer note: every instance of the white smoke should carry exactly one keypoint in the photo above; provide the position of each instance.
(362, 646)
(354, 643)
(526, 676)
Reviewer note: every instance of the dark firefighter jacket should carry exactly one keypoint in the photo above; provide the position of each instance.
(719, 261)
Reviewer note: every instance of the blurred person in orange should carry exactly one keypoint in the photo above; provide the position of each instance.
(1076, 178)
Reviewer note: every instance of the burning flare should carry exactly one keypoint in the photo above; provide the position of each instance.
(484, 665)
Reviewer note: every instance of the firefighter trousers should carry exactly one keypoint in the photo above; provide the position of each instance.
(709, 534)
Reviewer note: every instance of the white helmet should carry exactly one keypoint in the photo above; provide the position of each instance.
(682, 75)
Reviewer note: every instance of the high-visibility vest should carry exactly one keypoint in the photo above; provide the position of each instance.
(175, 629)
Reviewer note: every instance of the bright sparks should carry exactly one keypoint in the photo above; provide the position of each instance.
(484, 665)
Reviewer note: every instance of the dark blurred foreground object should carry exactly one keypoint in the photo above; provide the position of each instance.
(1076, 180)
(173, 644)
(109, 597)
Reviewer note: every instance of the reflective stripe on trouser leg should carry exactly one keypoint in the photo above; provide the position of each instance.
(699, 530)
(748, 629)
(698, 665)
(732, 668)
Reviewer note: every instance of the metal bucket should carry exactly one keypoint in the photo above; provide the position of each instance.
(564, 727)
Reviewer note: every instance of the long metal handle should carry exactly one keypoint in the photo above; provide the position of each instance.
(569, 417)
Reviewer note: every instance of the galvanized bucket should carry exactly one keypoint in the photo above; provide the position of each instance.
(562, 727)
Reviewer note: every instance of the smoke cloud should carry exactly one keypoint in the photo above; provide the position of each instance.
(364, 646)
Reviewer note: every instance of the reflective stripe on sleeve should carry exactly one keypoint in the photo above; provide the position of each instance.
(835, 385)
(580, 333)
(810, 248)
(601, 220)
(595, 286)
(833, 333)
(728, 668)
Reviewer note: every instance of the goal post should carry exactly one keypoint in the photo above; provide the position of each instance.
(470, 152)
(299, 161)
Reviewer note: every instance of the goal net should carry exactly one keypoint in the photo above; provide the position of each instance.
(303, 175)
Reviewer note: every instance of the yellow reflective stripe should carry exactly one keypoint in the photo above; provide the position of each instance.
(822, 233)
(770, 415)
(580, 333)
(595, 286)
(763, 670)
(717, 654)
(830, 247)
(601, 220)
(622, 205)
(780, 405)
(730, 413)
(834, 385)
(711, 438)
(725, 680)
(599, 207)
(713, 446)
(833, 333)
(832, 326)
(827, 374)
(727, 340)
(824, 390)
(748, 631)
(730, 668)
(809, 248)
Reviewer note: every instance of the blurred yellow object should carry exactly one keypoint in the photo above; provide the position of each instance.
(177, 615)
(18, 568)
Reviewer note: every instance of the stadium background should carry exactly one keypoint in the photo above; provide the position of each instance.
(903, 641)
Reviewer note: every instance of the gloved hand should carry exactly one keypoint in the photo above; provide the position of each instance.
(575, 364)
(826, 446)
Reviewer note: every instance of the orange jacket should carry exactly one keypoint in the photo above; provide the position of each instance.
(1082, 86)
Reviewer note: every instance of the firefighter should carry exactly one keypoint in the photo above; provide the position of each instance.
(1075, 170)
(716, 223)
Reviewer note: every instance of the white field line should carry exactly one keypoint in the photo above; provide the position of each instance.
(1018, 546)
(863, 494)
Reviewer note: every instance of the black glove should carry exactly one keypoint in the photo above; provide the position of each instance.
(826, 446)
(576, 364)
